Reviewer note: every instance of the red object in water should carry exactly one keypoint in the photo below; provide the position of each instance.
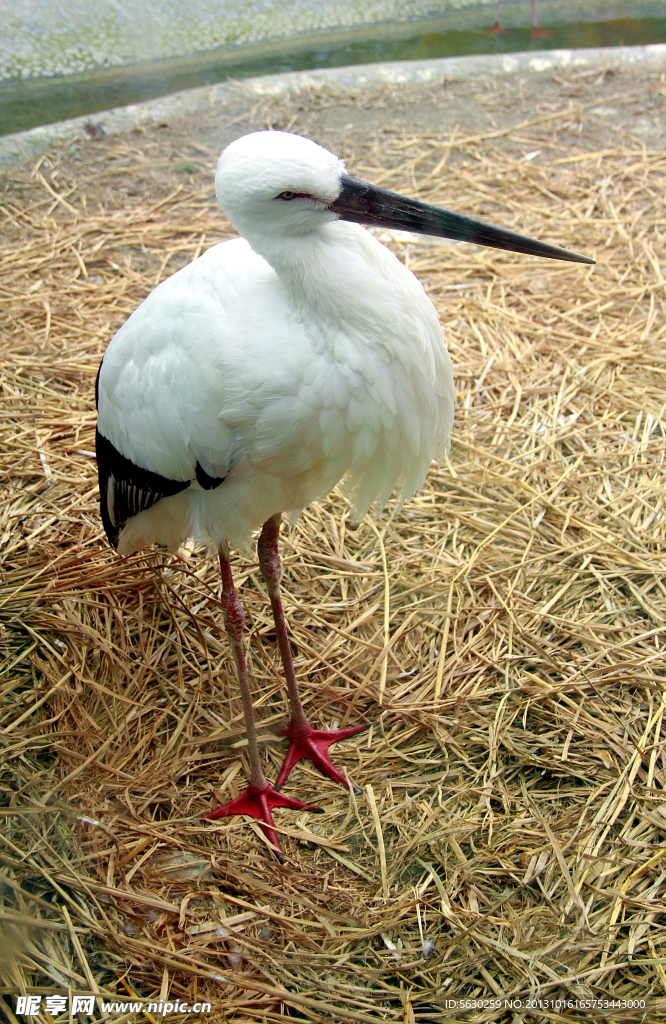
(496, 28)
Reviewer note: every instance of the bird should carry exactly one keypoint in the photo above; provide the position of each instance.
(496, 28)
(254, 379)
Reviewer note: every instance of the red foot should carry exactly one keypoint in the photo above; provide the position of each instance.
(314, 745)
(497, 29)
(540, 33)
(258, 803)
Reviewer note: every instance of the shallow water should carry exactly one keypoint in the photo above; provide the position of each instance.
(26, 104)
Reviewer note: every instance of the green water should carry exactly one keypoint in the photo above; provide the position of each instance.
(25, 104)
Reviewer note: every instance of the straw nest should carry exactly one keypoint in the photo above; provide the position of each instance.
(503, 635)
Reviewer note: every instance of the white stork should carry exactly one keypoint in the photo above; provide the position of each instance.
(254, 379)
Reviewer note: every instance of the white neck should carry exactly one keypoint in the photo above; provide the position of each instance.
(331, 275)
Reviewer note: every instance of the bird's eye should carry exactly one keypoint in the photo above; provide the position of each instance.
(287, 195)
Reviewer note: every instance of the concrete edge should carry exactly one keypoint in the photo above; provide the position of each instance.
(407, 74)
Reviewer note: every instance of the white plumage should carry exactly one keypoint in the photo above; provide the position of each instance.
(280, 361)
(253, 380)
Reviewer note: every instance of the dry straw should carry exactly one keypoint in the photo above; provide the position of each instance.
(509, 839)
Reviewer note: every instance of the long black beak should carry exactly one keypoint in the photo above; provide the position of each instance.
(367, 204)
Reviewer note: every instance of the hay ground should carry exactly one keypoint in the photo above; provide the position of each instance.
(503, 636)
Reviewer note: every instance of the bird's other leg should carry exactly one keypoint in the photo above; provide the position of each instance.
(259, 799)
(496, 28)
(234, 622)
(536, 31)
(304, 741)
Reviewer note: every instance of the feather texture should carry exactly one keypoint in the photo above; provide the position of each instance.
(126, 489)
(254, 379)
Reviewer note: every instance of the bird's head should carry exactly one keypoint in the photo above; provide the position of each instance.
(277, 183)
(274, 185)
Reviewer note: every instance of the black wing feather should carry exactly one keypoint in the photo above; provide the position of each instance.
(209, 483)
(126, 489)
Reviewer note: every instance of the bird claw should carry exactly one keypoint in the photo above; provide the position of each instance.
(258, 802)
(314, 745)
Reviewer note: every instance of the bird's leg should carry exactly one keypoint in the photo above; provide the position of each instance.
(304, 741)
(234, 621)
(496, 27)
(259, 799)
(536, 31)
